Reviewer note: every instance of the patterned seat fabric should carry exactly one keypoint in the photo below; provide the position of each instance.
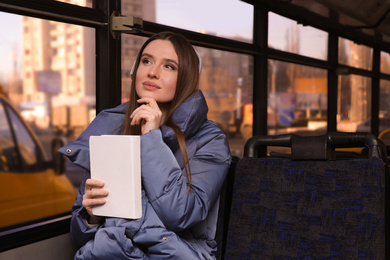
(285, 209)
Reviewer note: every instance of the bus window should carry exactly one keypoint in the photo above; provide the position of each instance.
(297, 99)
(51, 82)
(85, 3)
(30, 188)
(354, 55)
(226, 82)
(286, 35)
(385, 62)
(354, 103)
(234, 18)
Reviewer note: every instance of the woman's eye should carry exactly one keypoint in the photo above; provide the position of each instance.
(145, 61)
(170, 67)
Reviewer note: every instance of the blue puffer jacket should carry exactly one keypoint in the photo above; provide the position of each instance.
(176, 223)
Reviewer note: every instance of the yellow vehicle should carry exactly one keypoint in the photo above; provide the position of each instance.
(32, 187)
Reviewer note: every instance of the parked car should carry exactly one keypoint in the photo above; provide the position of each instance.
(31, 186)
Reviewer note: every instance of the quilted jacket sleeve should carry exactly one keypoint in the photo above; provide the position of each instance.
(165, 181)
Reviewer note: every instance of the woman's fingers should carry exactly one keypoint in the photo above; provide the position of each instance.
(94, 194)
(93, 189)
(92, 183)
(148, 115)
(89, 203)
(149, 102)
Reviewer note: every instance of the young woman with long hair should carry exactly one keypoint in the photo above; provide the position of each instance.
(184, 161)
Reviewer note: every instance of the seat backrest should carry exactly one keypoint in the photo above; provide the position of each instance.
(310, 209)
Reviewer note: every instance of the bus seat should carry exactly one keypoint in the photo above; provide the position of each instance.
(332, 208)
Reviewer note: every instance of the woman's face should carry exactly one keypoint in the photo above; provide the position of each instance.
(157, 71)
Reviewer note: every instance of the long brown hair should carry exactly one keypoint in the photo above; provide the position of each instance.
(187, 84)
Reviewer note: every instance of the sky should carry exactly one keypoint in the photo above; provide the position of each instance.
(223, 17)
(10, 38)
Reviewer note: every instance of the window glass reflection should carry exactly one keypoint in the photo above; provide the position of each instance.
(286, 35)
(354, 55)
(297, 99)
(354, 103)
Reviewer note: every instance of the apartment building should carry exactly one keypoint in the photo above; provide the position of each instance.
(59, 64)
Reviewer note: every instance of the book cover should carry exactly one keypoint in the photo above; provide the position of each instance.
(116, 160)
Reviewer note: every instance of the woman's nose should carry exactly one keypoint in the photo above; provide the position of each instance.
(153, 72)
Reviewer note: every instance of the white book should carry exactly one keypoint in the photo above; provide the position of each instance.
(116, 160)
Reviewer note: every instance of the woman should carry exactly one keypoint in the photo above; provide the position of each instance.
(184, 161)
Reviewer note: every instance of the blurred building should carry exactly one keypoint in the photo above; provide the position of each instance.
(57, 59)
(59, 64)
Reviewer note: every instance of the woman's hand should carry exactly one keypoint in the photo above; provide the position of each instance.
(148, 115)
(94, 195)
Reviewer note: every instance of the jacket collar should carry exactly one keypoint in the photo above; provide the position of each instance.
(189, 116)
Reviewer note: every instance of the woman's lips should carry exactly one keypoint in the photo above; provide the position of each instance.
(150, 85)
